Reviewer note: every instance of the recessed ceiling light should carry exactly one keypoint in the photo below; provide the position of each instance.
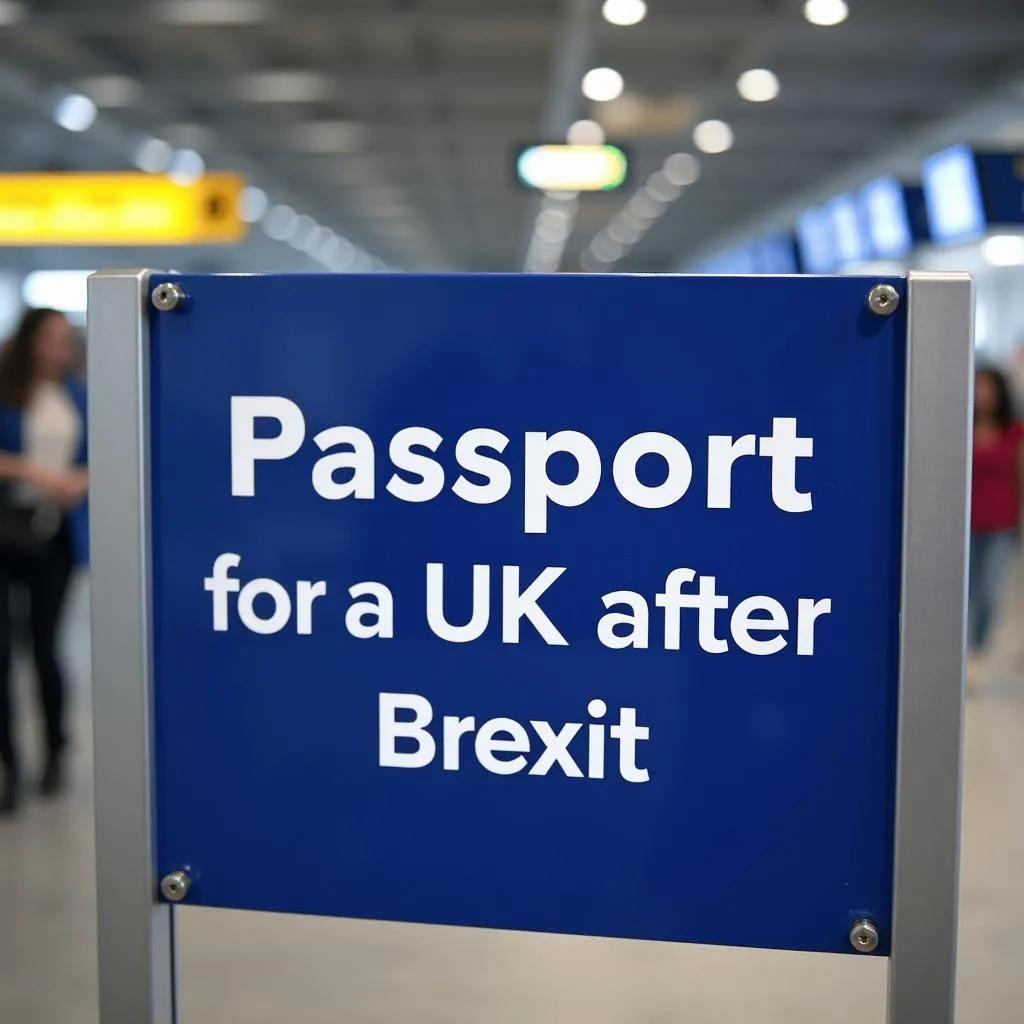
(607, 249)
(826, 12)
(302, 227)
(553, 234)
(758, 85)
(602, 84)
(278, 222)
(285, 87)
(74, 112)
(624, 232)
(152, 155)
(585, 133)
(645, 206)
(624, 12)
(712, 136)
(212, 12)
(252, 204)
(682, 168)
(335, 250)
(186, 167)
(659, 186)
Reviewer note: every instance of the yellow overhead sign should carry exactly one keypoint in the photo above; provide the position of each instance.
(119, 209)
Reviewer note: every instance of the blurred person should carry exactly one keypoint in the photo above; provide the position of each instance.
(995, 508)
(43, 483)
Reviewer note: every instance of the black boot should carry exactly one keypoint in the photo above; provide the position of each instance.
(10, 791)
(52, 781)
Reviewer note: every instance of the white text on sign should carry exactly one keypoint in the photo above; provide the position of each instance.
(348, 467)
(510, 604)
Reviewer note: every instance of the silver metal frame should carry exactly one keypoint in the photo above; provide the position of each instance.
(135, 932)
(936, 485)
(136, 936)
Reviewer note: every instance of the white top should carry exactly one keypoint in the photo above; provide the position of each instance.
(52, 433)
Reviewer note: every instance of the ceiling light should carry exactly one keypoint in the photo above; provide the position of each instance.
(712, 137)
(645, 206)
(152, 155)
(624, 12)
(1004, 250)
(110, 90)
(278, 222)
(553, 217)
(252, 204)
(316, 239)
(186, 167)
(284, 87)
(74, 112)
(602, 84)
(553, 234)
(625, 232)
(212, 12)
(11, 12)
(302, 228)
(585, 133)
(607, 249)
(758, 85)
(826, 12)
(335, 250)
(682, 168)
(659, 186)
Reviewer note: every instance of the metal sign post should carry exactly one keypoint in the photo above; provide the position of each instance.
(612, 606)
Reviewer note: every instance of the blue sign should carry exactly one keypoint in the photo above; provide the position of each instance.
(565, 604)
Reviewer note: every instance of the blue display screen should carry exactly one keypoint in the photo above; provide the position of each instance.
(776, 254)
(816, 238)
(886, 218)
(952, 193)
(851, 245)
(731, 261)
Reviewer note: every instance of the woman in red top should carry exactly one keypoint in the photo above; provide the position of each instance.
(995, 505)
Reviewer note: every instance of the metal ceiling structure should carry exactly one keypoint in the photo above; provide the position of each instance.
(393, 122)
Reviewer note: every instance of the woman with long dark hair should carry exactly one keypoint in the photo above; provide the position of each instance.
(995, 507)
(43, 483)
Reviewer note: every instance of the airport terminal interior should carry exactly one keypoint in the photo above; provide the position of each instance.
(340, 138)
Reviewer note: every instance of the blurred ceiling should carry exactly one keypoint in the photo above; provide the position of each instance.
(393, 122)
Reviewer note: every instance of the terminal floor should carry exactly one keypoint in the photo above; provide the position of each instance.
(261, 969)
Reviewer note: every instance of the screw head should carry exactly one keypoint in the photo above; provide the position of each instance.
(883, 300)
(864, 936)
(168, 296)
(175, 886)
